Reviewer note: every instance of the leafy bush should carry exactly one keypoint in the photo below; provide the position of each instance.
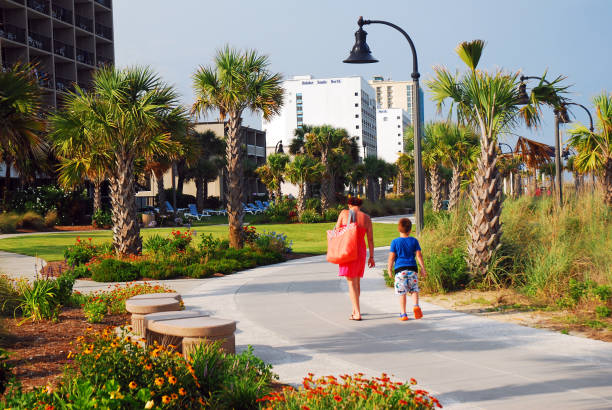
(280, 211)
(39, 301)
(9, 296)
(314, 204)
(155, 243)
(208, 244)
(71, 206)
(310, 216)
(81, 271)
(351, 392)
(51, 218)
(275, 242)
(446, 271)
(114, 270)
(249, 234)
(8, 222)
(94, 310)
(64, 284)
(602, 311)
(331, 215)
(82, 252)
(6, 373)
(115, 299)
(31, 220)
(101, 219)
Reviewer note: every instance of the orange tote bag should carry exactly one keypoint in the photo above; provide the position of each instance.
(342, 242)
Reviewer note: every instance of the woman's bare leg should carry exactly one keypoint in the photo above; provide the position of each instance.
(353, 285)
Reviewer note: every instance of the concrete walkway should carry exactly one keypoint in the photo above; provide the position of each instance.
(295, 315)
(392, 219)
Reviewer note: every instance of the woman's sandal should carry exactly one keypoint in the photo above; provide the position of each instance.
(354, 318)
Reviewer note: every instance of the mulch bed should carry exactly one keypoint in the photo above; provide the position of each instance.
(39, 350)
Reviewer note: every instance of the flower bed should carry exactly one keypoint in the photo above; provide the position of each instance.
(350, 392)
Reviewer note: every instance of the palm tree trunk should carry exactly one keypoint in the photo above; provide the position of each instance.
(205, 189)
(455, 188)
(161, 192)
(235, 211)
(436, 195)
(97, 195)
(126, 230)
(485, 230)
(301, 201)
(607, 180)
(199, 183)
(325, 182)
(7, 183)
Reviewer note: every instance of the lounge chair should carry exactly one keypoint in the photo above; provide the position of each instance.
(261, 206)
(193, 213)
(250, 210)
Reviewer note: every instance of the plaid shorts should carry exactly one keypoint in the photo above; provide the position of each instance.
(406, 281)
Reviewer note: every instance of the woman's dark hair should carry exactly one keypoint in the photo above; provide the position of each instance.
(354, 201)
(405, 225)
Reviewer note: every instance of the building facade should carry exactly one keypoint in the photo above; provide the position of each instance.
(343, 102)
(396, 94)
(391, 124)
(255, 155)
(66, 39)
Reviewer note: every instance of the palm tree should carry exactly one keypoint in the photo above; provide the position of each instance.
(330, 144)
(595, 148)
(570, 165)
(301, 171)
(21, 123)
(129, 115)
(387, 174)
(433, 155)
(277, 164)
(373, 168)
(208, 164)
(489, 101)
(405, 172)
(237, 81)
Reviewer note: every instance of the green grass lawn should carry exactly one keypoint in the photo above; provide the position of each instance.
(307, 238)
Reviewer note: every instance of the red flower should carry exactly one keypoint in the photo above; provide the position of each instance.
(337, 398)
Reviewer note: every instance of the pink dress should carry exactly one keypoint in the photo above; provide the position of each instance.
(357, 267)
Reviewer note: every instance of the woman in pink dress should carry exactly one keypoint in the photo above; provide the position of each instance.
(353, 271)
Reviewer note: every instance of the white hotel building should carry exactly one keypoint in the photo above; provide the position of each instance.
(391, 124)
(344, 102)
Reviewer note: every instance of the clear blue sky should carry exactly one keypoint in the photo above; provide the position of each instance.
(570, 38)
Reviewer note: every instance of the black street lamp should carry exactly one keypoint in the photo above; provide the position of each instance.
(360, 54)
(278, 148)
(561, 117)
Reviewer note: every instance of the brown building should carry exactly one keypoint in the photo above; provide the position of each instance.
(255, 155)
(67, 39)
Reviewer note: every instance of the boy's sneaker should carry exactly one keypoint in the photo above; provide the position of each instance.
(417, 312)
(403, 317)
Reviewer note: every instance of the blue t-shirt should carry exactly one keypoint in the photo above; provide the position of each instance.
(405, 251)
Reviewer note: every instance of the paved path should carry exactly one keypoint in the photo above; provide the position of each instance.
(296, 316)
(392, 219)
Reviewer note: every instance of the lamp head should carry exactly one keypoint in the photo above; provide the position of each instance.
(360, 53)
(564, 116)
(523, 98)
(279, 147)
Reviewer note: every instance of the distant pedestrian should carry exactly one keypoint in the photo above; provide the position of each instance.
(404, 254)
(353, 271)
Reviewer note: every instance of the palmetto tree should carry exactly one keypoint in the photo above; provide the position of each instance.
(331, 144)
(21, 122)
(207, 166)
(301, 171)
(274, 173)
(405, 171)
(489, 101)
(433, 155)
(237, 81)
(130, 115)
(595, 148)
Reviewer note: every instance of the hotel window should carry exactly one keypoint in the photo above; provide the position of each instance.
(357, 127)
(356, 115)
(356, 94)
(356, 104)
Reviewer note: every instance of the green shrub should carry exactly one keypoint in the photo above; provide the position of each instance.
(9, 296)
(314, 204)
(113, 270)
(82, 252)
(603, 292)
(95, 310)
(101, 219)
(208, 243)
(8, 222)
(81, 271)
(602, 311)
(31, 220)
(198, 271)
(51, 218)
(39, 301)
(225, 266)
(6, 373)
(331, 215)
(64, 284)
(155, 244)
(310, 216)
(446, 271)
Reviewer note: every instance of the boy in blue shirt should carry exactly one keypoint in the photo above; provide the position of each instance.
(404, 254)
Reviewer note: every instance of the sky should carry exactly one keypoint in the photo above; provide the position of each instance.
(563, 37)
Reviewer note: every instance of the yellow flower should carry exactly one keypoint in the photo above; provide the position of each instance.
(116, 395)
(172, 380)
(148, 366)
(70, 354)
(88, 351)
(114, 344)
(166, 399)
(133, 385)
(149, 404)
(167, 373)
(159, 381)
(174, 396)
(182, 391)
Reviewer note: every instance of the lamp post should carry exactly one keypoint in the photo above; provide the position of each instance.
(561, 117)
(278, 148)
(360, 54)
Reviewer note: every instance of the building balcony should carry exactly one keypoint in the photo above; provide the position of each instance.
(103, 61)
(40, 6)
(84, 57)
(44, 79)
(105, 3)
(39, 41)
(13, 33)
(63, 84)
(63, 49)
(83, 23)
(61, 13)
(103, 31)
(256, 151)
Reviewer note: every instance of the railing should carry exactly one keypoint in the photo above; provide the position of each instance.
(61, 13)
(40, 6)
(63, 49)
(13, 33)
(62, 84)
(39, 41)
(103, 61)
(105, 3)
(103, 31)
(83, 23)
(85, 57)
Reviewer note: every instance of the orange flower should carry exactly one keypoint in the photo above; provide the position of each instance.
(159, 381)
(172, 380)
(148, 366)
(133, 385)
(338, 398)
(174, 396)
(182, 391)
(166, 399)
